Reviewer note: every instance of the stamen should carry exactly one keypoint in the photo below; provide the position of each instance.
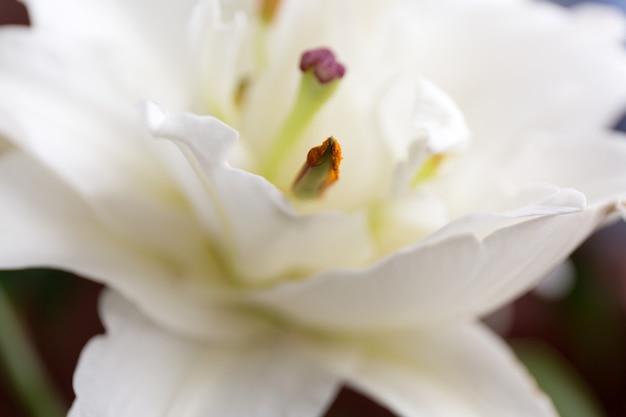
(269, 9)
(429, 169)
(320, 171)
(320, 79)
(240, 92)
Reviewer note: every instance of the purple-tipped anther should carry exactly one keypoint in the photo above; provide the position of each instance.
(325, 66)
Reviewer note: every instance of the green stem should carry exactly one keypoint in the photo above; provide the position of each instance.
(23, 366)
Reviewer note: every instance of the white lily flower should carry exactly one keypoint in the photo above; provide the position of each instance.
(476, 157)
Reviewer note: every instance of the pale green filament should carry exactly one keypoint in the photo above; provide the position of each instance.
(313, 182)
(311, 97)
(260, 45)
(267, 14)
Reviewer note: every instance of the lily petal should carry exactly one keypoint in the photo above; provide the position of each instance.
(590, 162)
(64, 108)
(537, 41)
(417, 120)
(459, 371)
(222, 50)
(471, 267)
(413, 108)
(139, 21)
(256, 223)
(139, 369)
(44, 223)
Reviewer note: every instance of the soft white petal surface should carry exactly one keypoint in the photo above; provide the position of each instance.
(413, 109)
(221, 35)
(593, 163)
(146, 39)
(63, 107)
(548, 67)
(138, 369)
(460, 371)
(471, 267)
(43, 223)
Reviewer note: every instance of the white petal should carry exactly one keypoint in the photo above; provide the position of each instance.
(592, 163)
(404, 220)
(136, 23)
(457, 274)
(223, 53)
(459, 371)
(520, 66)
(44, 223)
(61, 105)
(84, 18)
(414, 108)
(252, 220)
(138, 369)
(417, 120)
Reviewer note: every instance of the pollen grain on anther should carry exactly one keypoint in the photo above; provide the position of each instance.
(320, 170)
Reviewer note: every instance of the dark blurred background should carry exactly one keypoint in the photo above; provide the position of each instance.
(575, 344)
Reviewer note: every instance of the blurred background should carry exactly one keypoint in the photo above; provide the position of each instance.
(570, 332)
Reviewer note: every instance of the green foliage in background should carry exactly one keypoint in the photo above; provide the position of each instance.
(569, 393)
